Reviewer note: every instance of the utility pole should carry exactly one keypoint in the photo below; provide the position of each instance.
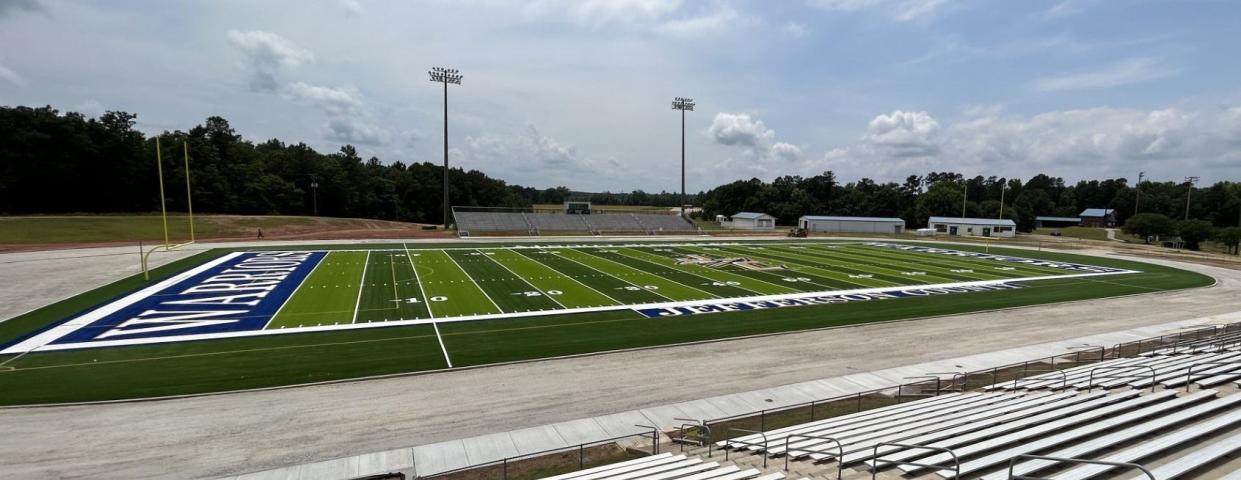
(684, 105)
(1138, 200)
(1189, 193)
(1003, 188)
(965, 195)
(445, 76)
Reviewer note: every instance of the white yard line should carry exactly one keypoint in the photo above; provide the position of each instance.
(569, 311)
(421, 291)
(613, 276)
(691, 272)
(570, 277)
(361, 283)
(441, 340)
(636, 269)
(294, 292)
(475, 282)
(523, 279)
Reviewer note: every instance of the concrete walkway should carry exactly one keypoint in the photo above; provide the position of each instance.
(453, 454)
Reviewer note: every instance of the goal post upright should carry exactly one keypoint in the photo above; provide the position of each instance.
(163, 207)
(189, 194)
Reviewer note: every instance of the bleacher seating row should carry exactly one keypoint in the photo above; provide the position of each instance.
(667, 466)
(1142, 410)
(538, 223)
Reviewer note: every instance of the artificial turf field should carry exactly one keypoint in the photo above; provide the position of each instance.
(470, 305)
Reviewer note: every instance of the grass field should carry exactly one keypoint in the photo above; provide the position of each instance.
(529, 303)
(149, 228)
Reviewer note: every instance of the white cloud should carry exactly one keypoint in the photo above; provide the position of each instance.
(530, 157)
(355, 131)
(7, 74)
(597, 13)
(796, 29)
(333, 101)
(1087, 143)
(706, 24)
(13, 6)
(899, 10)
(1134, 70)
(760, 153)
(739, 129)
(1064, 9)
(903, 134)
(352, 7)
(266, 53)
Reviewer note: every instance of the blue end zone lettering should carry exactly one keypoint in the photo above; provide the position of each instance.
(241, 294)
(897, 292)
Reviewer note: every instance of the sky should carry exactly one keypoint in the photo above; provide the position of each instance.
(578, 92)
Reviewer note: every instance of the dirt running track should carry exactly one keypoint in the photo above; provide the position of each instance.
(218, 435)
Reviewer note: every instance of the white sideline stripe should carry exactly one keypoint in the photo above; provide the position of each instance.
(294, 292)
(441, 339)
(494, 316)
(361, 283)
(421, 291)
(51, 334)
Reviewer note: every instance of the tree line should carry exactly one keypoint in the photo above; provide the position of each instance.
(67, 163)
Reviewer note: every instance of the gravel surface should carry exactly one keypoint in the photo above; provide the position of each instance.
(225, 434)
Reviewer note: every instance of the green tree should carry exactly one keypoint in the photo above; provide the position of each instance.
(1147, 225)
(1194, 232)
(1230, 237)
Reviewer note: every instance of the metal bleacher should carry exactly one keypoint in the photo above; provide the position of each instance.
(1173, 410)
(666, 466)
(471, 222)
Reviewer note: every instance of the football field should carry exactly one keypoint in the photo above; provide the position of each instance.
(230, 319)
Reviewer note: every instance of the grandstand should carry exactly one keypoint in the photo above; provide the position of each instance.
(1169, 413)
(490, 221)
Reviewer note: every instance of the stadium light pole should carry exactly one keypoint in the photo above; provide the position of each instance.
(1189, 193)
(445, 76)
(314, 189)
(684, 105)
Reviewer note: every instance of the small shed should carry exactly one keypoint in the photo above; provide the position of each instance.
(1098, 217)
(753, 221)
(835, 224)
(973, 227)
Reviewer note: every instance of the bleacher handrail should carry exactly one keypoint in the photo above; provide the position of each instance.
(840, 451)
(1012, 463)
(728, 443)
(1189, 374)
(875, 460)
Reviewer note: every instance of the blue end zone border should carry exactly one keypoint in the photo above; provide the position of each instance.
(237, 292)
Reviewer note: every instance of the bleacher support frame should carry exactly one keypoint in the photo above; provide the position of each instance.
(875, 460)
(840, 451)
(1012, 463)
(1090, 383)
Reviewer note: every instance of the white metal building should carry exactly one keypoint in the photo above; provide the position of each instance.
(753, 221)
(973, 227)
(830, 224)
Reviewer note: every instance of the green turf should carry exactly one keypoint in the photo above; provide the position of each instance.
(567, 291)
(283, 359)
(328, 296)
(450, 291)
